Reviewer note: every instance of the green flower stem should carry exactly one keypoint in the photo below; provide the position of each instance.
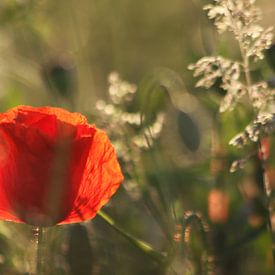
(38, 239)
(139, 244)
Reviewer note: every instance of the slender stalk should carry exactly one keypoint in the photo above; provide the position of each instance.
(38, 235)
(141, 245)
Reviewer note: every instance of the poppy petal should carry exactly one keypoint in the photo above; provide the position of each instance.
(100, 181)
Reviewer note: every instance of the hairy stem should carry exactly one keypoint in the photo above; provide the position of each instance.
(38, 235)
(191, 221)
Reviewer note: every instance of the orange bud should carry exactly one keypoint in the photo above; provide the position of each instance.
(218, 206)
(264, 153)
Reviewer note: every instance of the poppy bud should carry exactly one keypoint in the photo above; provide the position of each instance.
(263, 153)
(60, 78)
(218, 206)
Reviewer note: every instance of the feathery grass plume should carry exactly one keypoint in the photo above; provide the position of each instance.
(241, 18)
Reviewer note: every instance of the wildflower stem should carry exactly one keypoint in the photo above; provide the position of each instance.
(141, 245)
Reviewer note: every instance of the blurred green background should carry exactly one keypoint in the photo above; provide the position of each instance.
(60, 53)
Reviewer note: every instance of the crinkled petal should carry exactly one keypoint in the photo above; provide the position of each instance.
(101, 179)
(29, 114)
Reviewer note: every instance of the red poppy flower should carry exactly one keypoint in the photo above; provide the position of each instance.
(55, 168)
